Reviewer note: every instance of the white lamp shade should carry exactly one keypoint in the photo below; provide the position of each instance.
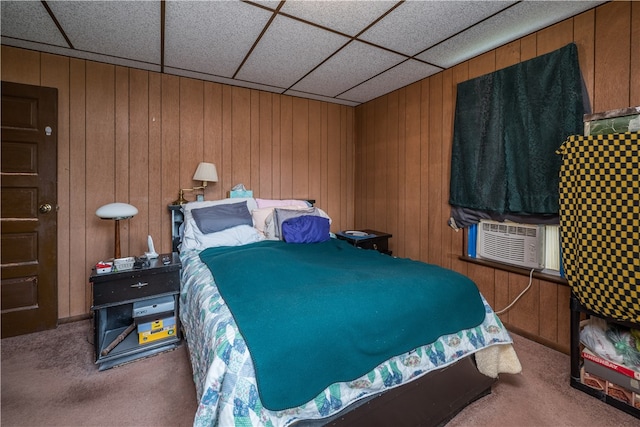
(116, 211)
(206, 172)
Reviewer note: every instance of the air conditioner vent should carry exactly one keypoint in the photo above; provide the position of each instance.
(504, 247)
(512, 243)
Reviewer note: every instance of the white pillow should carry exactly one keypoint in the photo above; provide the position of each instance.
(193, 238)
(261, 215)
(234, 236)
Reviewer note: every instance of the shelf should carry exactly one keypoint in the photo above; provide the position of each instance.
(600, 395)
(518, 270)
(129, 349)
(577, 310)
(129, 344)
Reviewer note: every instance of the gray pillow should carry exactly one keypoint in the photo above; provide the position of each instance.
(220, 217)
(281, 215)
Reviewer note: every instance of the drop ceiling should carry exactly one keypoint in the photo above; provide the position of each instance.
(345, 52)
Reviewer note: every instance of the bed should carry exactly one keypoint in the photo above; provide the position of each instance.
(287, 325)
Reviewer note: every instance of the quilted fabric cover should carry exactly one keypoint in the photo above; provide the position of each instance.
(367, 306)
(224, 374)
(600, 222)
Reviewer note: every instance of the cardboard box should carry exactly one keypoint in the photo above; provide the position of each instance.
(612, 376)
(155, 325)
(620, 393)
(240, 193)
(614, 373)
(593, 381)
(153, 306)
(156, 330)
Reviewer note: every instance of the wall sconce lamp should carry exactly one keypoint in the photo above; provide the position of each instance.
(206, 172)
(116, 212)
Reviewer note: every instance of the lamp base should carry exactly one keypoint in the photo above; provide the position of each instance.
(180, 200)
(116, 253)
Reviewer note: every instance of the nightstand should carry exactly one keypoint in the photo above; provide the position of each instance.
(367, 239)
(177, 218)
(116, 294)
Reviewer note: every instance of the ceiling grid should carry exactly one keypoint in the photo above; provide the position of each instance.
(339, 51)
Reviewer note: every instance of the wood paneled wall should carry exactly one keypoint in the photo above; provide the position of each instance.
(136, 136)
(403, 146)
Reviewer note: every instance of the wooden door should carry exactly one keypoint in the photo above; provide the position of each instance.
(28, 212)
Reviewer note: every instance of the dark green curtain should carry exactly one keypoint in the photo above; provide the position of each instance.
(507, 128)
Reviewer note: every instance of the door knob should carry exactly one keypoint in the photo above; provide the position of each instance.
(45, 208)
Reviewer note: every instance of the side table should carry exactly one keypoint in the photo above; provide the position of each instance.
(114, 297)
(367, 239)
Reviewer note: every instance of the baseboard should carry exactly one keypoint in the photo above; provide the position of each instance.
(72, 319)
(538, 339)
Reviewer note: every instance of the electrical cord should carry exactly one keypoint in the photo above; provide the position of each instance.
(507, 308)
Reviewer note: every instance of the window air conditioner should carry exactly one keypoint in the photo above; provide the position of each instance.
(511, 243)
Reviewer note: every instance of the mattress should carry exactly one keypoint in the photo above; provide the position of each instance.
(224, 372)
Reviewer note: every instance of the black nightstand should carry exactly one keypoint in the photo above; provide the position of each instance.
(367, 239)
(114, 297)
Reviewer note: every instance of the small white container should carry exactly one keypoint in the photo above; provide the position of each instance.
(104, 267)
(122, 264)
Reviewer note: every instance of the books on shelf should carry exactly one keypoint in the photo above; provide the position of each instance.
(472, 240)
(552, 247)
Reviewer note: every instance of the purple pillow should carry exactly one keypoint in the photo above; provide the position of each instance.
(306, 229)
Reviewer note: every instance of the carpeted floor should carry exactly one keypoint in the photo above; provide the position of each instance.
(540, 396)
(49, 379)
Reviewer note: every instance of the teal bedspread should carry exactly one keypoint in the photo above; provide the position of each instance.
(349, 309)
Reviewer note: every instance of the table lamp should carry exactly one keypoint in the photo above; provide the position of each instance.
(206, 172)
(116, 212)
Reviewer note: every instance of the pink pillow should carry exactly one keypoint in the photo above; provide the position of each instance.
(260, 217)
(274, 203)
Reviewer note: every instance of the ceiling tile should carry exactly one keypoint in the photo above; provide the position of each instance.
(301, 48)
(355, 63)
(271, 4)
(399, 76)
(38, 28)
(287, 51)
(515, 22)
(417, 25)
(211, 37)
(128, 29)
(347, 17)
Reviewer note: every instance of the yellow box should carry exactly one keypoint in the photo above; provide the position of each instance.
(156, 325)
(149, 336)
(156, 330)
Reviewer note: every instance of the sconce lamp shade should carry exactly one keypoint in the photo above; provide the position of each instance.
(116, 211)
(206, 172)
